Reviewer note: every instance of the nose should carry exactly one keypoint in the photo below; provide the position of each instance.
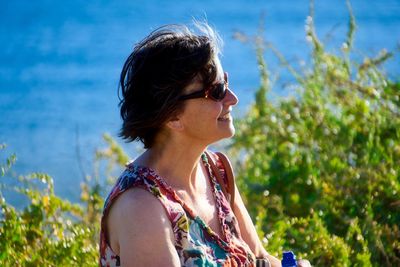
(230, 99)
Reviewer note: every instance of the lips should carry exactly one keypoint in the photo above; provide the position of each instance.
(225, 117)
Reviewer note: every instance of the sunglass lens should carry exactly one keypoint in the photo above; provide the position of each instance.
(218, 92)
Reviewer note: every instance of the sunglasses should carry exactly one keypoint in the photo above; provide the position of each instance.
(215, 92)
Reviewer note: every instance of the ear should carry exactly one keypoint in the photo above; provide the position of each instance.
(175, 124)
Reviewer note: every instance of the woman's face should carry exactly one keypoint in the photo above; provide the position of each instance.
(207, 120)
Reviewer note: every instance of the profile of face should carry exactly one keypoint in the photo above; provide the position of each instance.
(206, 115)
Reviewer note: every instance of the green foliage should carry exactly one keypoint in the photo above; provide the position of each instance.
(320, 170)
(50, 231)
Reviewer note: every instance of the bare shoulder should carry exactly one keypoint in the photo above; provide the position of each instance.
(135, 200)
(136, 208)
(138, 225)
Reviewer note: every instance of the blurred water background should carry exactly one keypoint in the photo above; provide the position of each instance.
(60, 62)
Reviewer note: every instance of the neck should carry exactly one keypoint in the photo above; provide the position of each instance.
(176, 162)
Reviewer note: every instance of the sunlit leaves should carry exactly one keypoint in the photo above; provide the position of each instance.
(49, 230)
(328, 157)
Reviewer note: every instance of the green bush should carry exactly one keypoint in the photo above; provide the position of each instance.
(50, 231)
(319, 170)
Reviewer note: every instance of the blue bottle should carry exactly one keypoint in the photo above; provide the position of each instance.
(289, 259)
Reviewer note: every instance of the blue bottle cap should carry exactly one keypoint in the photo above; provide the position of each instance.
(289, 259)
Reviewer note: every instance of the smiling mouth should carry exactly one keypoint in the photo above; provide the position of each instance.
(226, 117)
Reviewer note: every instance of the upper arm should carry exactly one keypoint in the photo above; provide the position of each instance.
(248, 230)
(140, 230)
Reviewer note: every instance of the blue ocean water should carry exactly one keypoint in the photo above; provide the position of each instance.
(60, 62)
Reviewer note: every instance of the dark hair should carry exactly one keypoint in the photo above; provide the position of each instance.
(155, 74)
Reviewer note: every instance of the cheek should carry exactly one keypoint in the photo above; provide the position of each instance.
(204, 115)
(215, 109)
(207, 112)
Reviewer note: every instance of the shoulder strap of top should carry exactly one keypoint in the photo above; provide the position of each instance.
(227, 185)
(229, 175)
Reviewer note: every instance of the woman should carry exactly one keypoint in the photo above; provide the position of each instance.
(167, 208)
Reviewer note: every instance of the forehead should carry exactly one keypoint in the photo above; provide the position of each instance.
(197, 83)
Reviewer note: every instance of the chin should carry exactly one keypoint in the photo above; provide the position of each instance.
(230, 133)
(226, 130)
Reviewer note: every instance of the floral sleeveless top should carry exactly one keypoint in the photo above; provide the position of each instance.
(196, 243)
